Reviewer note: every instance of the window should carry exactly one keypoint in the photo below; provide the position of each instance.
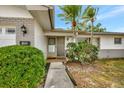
(98, 42)
(51, 41)
(117, 41)
(10, 30)
(0, 30)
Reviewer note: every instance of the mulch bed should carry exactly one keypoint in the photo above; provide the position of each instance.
(91, 75)
(78, 73)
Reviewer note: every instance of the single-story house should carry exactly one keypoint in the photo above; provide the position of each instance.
(34, 25)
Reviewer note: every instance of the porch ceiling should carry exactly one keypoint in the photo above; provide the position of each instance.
(44, 16)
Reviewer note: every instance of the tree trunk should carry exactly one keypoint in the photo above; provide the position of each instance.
(73, 28)
(91, 32)
(74, 32)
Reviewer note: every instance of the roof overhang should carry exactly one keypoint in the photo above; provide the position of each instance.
(57, 33)
(43, 14)
(81, 33)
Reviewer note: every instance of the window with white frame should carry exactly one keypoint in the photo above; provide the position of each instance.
(117, 40)
(10, 30)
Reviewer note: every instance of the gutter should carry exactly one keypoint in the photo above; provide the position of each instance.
(49, 16)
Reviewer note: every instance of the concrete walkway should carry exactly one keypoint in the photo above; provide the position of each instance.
(57, 77)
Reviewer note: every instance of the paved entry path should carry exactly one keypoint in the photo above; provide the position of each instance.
(57, 77)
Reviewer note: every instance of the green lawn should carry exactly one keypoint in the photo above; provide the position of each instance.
(104, 73)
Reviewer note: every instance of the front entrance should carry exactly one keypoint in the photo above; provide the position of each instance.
(52, 47)
(60, 46)
(56, 46)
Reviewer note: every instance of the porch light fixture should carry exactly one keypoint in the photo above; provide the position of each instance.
(24, 30)
(67, 38)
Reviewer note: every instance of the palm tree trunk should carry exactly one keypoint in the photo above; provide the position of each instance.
(73, 28)
(74, 32)
(91, 32)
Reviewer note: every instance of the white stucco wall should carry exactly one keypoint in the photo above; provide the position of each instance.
(107, 42)
(14, 11)
(40, 40)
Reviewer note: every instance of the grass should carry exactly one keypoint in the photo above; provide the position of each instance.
(103, 73)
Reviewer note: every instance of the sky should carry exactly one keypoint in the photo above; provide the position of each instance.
(110, 16)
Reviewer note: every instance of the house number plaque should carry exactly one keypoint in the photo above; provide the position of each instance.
(25, 43)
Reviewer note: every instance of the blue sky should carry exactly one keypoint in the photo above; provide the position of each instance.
(110, 16)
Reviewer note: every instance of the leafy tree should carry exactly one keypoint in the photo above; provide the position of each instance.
(97, 28)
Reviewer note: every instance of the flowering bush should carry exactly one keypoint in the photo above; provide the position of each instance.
(82, 51)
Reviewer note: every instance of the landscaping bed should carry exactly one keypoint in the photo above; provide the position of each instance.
(102, 73)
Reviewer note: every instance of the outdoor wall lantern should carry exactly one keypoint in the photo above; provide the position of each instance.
(24, 30)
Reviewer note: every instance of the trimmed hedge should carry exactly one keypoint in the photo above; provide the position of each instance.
(21, 66)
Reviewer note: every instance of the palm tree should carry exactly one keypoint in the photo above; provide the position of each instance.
(89, 14)
(71, 14)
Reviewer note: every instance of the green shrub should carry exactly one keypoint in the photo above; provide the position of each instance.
(21, 66)
(82, 51)
(71, 52)
(87, 52)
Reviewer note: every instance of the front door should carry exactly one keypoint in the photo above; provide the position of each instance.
(60, 46)
(52, 47)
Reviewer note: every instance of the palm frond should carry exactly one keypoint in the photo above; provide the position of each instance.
(71, 13)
